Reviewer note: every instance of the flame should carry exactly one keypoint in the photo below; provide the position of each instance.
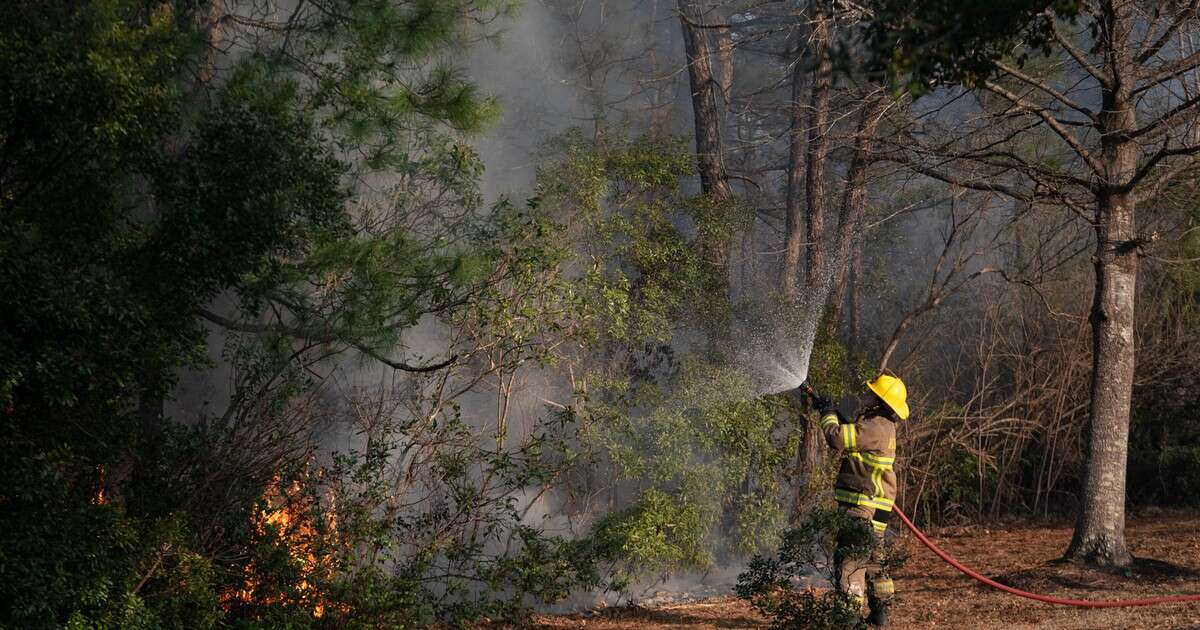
(285, 511)
(100, 498)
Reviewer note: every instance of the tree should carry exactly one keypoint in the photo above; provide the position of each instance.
(139, 192)
(110, 241)
(706, 112)
(1116, 102)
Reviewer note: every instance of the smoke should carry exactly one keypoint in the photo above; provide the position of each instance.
(523, 70)
(547, 79)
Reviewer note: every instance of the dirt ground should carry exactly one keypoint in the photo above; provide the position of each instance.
(932, 594)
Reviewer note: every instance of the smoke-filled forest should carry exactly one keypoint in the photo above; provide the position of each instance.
(577, 313)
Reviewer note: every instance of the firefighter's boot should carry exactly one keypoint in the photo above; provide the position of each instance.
(879, 613)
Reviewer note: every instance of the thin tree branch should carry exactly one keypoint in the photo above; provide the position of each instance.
(1060, 97)
(1171, 119)
(261, 329)
(1077, 54)
(1152, 190)
(972, 184)
(1180, 19)
(1046, 116)
(1166, 72)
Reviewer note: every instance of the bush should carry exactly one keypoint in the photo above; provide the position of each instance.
(773, 585)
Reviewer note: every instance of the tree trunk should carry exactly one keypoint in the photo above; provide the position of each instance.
(1100, 529)
(789, 277)
(704, 103)
(852, 212)
(809, 458)
(837, 300)
(853, 326)
(724, 63)
(818, 146)
(808, 150)
(714, 246)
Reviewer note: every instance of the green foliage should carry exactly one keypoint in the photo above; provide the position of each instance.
(94, 85)
(91, 94)
(136, 193)
(624, 210)
(658, 533)
(72, 560)
(699, 450)
(1166, 476)
(836, 370)
(771, 584)
(960, 477)
(1162, 452)
(369, 71)
(713, 448)
(945, 42)
(444, 533)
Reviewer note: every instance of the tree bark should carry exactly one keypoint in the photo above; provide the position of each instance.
(809, 458)
(808, 151)
(818, 145)
(1100, 527)
(793, 249)
(724, 63)
(852, 212)
(837, 300)
(713, 180)
(853, 326)
(714, 246)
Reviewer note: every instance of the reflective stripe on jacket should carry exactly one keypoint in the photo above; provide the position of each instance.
(868, 446)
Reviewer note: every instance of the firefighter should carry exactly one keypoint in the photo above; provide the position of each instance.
(866, 486)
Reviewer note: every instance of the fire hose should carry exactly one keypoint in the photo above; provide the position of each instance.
(807, 389)
(1082, 603)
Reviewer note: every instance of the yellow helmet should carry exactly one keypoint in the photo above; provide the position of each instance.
(892, 392)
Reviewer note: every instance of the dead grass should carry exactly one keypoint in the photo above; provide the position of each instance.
(934, 595)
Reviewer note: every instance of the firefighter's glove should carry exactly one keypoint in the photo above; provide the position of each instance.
(822, 403)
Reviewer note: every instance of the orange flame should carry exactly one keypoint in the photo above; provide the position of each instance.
(286, 513)
(100, 498)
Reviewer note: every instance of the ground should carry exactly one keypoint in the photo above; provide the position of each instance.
(934, 595)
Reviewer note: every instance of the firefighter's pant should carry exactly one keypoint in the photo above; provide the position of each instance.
(863, 578)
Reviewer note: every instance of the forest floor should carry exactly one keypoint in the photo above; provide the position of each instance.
(931, 594)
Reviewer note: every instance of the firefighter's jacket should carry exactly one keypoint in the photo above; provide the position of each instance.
(866, 483)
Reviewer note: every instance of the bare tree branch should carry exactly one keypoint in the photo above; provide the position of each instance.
(1151, 190)
(1181, 18)
(1169, 120)
(1166, 72)
(1046, 116)
(1059, 96)
(1077, 54)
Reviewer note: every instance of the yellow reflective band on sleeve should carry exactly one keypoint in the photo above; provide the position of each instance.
(882, 463)
(829, 420)
(849, 437)
(858, 498)
(879, 527)
(877, 481)
(879, 462)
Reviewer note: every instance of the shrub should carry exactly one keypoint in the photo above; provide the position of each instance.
(773, 585)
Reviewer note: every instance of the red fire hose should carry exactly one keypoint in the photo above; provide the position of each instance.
(1082, 603)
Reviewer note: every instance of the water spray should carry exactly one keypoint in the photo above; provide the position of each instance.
(780, 350)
